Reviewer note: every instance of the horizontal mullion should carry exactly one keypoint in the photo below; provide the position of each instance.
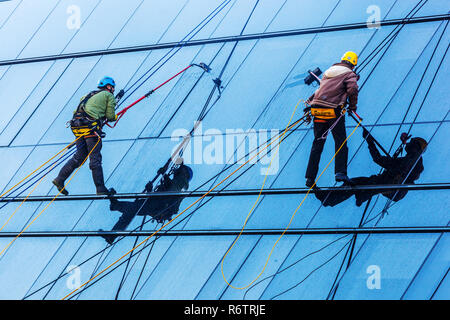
(231, 232)
(248, 37)
(232, 193)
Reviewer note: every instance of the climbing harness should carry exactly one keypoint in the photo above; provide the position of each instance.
(82, 125)
(326, 133)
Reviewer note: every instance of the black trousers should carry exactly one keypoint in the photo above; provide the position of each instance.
(331, 199)
(84, 147)
(155, 208)
(339, 135)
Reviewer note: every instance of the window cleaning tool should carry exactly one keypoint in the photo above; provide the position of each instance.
(120, 114)
(313, 76)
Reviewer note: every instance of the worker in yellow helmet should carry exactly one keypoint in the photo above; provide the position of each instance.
(337, 87)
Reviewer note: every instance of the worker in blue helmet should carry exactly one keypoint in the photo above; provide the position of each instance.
(94, 110)
(161, 209)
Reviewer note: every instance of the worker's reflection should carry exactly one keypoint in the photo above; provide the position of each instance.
(159, 208)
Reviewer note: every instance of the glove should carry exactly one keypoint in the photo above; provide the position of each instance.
(120, 95)
(352, 108)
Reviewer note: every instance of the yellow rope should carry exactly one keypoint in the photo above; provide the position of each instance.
(257, 199)
(15, 238)
(292, 218)
(36, 185)
(65, 148)
(190, 206)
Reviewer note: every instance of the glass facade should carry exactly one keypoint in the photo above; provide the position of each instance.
(402, 89)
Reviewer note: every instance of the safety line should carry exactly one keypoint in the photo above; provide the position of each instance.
(7, 199)
(439, 285)
(46, 207)
(205, 111)
(314, 270)
(29, 175)
(122, 281)
(293, 264)
(190, 206)
(131, 232)
(180, 45)
(259, 195)
(394, 33)
(28, 195)
(381, 213)
(292, 218)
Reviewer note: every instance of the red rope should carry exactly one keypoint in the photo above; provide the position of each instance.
(124, 110)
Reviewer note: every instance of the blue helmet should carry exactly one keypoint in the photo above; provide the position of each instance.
(105, 81)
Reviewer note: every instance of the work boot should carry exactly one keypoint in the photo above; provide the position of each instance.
(60, 187)
(310, 183)
(107, 192)
(342, 177)
(97, 176)
(361, 197)
(108, 238)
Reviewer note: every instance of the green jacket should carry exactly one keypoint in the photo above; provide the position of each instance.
(102, 105)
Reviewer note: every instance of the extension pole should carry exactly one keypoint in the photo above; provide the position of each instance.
(124, 110)
(375, 140)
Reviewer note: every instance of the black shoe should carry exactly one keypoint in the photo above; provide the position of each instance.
(60, 187)
(342, 177)
(106, 192)
(361, 198)
(108, 238)
(310, 183)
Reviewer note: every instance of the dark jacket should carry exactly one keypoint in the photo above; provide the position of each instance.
(162, 208)
(338, 83)
(397, 169)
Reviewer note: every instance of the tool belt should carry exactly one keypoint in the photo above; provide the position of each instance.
(325, 113)
(82, 125)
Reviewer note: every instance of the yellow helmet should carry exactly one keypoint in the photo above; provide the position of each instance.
(350, 57)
